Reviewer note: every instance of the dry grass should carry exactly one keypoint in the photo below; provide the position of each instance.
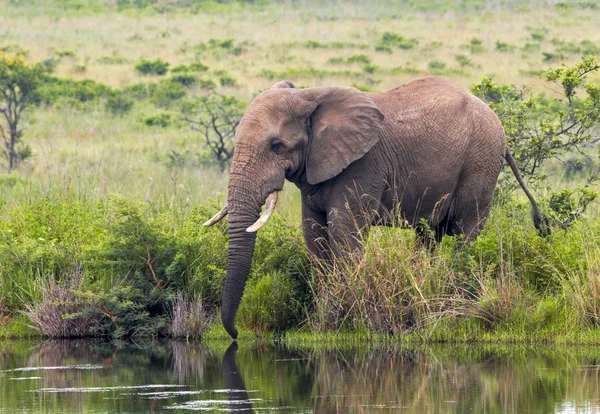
(60, 312)
(189, 318)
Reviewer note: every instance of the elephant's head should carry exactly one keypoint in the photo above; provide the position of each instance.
(304, 135)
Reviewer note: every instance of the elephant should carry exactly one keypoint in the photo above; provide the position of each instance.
(426, 151)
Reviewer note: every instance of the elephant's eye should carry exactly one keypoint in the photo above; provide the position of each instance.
(276, 146)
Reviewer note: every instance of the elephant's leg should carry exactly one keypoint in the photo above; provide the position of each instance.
(347, 231)
(471, 210)
(316, 235)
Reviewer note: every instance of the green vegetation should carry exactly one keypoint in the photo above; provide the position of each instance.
(100, 223)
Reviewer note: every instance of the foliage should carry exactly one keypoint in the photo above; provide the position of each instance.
(19, 82)
(216, 118)
(167, 92)
(53, 89)
(391, 40)
(152, 67)
(119, 104)
(538, 129)
(161, 120)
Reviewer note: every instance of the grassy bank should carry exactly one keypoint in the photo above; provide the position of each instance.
(100, 225)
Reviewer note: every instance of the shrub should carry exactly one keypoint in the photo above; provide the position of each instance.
(192, 67)
(53, 89)
(436, 65)
(139, 91)
(504, 47)
(152, 67)
(166, 93)
(475, 45)
(208, 84)
(161, 120)
(463, 60)
(185, 79)
(363, 59)
(118, 103)
(227, 80)
(390, 40)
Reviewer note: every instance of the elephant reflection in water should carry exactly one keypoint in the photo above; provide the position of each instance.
(234, 383)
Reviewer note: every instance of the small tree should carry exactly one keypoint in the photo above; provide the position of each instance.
(18, 85)
(539, 129)
(216, 117)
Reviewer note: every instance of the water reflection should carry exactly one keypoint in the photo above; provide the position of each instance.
(87, 376)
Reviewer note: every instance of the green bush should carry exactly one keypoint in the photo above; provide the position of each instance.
(139, 91)
(119, 103)
(391, 40)
(227, 80)
(152, 67)
(504, 47)
(192, 67)
(185, 79)
(53, 89)
(463, 60)
(161, 120)
(167, 93)
(475, 45)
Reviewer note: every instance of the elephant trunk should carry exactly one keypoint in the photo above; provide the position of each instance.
(243, 212)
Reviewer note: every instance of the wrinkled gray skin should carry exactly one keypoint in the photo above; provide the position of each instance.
(427, 146)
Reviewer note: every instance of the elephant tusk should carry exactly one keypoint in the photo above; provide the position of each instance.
(271, 202)
(217, 217)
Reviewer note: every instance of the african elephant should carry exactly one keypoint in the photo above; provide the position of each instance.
(428, 147)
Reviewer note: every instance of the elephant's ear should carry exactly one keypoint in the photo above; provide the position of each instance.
(283, 84)
(344, 126)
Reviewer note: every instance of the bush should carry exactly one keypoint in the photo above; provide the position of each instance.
(119, 104)
(227, 80)
(161, 120)
(139, 91)
(463, 60)
(436, 65)
(504, 47)
(167, 93)
(389, 40)
(185, 79)
(192, 67)
(53, 89)
(152, 67)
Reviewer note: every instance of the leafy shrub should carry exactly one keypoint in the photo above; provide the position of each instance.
(118, 103)
(363, 59)
(185, 79)
(227, 80)
(166, 93)
(53, 89)
(391, 40)
(436, 65)
(161, 120)
(504, 47)
(208, 84)
(152, 67)
(192, 67)
(112, 60)
(139, 91)
(463, 60)
(475, 45)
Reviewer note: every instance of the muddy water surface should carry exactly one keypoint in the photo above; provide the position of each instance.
(95, 377)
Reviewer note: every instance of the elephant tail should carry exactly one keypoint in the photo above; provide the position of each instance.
(540, 222)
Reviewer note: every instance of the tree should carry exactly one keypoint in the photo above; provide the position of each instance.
(18, 84)
(539, 129)
(216, 117)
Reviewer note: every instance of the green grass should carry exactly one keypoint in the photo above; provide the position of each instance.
(79, 201)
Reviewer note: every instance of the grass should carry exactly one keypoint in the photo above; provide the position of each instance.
(509, 285)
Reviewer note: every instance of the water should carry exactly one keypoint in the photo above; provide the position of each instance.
(174, 377)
